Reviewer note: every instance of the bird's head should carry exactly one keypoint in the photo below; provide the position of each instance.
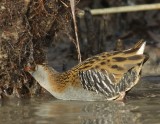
(39, 73)
(43, 74)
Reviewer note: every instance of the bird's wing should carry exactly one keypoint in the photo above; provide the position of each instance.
(102, 81)
(104, 72)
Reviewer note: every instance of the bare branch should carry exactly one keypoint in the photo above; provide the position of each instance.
(123, 9)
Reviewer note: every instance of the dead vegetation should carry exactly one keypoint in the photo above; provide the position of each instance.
(26, 26)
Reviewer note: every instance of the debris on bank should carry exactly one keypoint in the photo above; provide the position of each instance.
(27, 27)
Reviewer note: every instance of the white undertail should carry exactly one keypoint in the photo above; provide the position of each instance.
(141, 49)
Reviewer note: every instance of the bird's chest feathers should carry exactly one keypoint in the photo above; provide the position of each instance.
(61, 81)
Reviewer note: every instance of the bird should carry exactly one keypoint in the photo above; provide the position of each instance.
(103, 77)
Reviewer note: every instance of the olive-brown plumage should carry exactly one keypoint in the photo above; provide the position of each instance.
(106, 76)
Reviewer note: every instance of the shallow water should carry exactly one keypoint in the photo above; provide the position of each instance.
(41, 110)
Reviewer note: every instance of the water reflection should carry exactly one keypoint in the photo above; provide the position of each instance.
(50, 111)
(16, 112)
(142, 107)
(87, 112)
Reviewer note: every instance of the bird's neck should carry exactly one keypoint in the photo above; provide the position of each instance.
(43, 75)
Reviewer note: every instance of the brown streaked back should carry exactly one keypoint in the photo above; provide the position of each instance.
(115, 63)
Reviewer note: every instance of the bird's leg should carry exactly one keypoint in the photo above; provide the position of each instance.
(121, 96)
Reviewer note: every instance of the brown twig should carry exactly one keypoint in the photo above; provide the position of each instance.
(72, 3)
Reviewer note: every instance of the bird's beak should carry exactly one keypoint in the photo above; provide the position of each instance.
(29, 68)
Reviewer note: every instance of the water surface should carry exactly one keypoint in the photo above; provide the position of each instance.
(136, 109)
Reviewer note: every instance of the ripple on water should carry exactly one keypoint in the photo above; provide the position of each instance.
(137, 110)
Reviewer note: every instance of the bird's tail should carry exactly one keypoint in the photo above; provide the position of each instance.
(139, 47)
